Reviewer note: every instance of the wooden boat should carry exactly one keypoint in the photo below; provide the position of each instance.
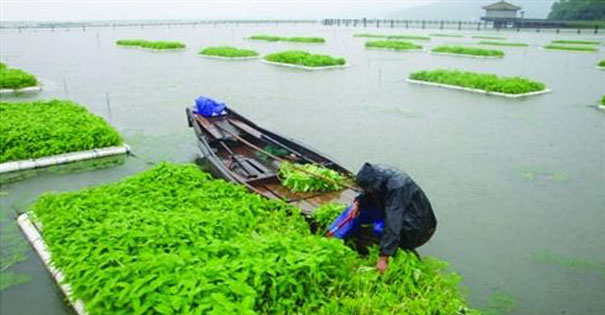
(239, 151)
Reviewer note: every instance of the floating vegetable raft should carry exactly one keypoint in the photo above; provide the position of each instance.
(393, 45)
(15, 81)
(273, 38)
(482, 83)
(32, 233)
(469, 52)
(305, 60)
(572, 48)
(174, 240)
(151, 45)
(59, 159)
(45, 133)
(228, 53)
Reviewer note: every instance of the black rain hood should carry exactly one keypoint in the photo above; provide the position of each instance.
(370, 177)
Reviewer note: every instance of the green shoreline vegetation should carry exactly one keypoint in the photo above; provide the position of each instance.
(404, 36)
(603, 100)
(272, 38)
(576, 42)
(447, 35)
(488, 37)
(46, 128)
(303, 58)
(173, 240)
(572, 48)
(480, 81)
(228, 52)
(393, 45)
(463, 50)
(157, 45)
(15, 79)
(601, 63)
(507, 44)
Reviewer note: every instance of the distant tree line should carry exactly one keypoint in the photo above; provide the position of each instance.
(578, 10)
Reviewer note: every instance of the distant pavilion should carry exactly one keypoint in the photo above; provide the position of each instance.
(503, 15)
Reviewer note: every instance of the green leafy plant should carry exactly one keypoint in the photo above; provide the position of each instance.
(15, 79)
(13, 250)
(326, 214)
(576, 42)
(304, 39)
(130, 42)
(491, 43)
(45, 128)
(447, 35)
(172, 240)
(228, 51)
(272, 38)
(489, 37)
(158, 45)
(303, 58)
(9, 279)
(481, 81)
(463, 50)
(162, 45)
(603, 100)
(501, 303)
(571, 48)
(296, 177)
(392, 44)
(601, 63)
(268, 38)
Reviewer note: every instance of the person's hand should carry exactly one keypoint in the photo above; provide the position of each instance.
(382, 264)
(354, 210)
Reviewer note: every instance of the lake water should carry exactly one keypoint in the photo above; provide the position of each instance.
(518, 186)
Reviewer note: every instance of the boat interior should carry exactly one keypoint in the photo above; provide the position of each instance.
(254, 157)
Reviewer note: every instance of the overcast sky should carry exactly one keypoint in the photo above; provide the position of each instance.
(74, 10)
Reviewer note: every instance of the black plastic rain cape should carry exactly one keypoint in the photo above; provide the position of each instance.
(409, 220)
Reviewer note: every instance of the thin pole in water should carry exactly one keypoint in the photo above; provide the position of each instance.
(108, 105)
(65, 87)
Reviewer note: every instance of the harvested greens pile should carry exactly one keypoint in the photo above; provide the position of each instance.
(296, 180)
(45, 128)
(15, 79)
(172, 240)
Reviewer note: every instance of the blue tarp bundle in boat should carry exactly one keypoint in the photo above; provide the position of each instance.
(208, 107)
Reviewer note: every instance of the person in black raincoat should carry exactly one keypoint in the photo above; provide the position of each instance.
(400, 212)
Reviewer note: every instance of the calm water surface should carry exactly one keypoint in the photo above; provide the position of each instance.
(518, 185)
